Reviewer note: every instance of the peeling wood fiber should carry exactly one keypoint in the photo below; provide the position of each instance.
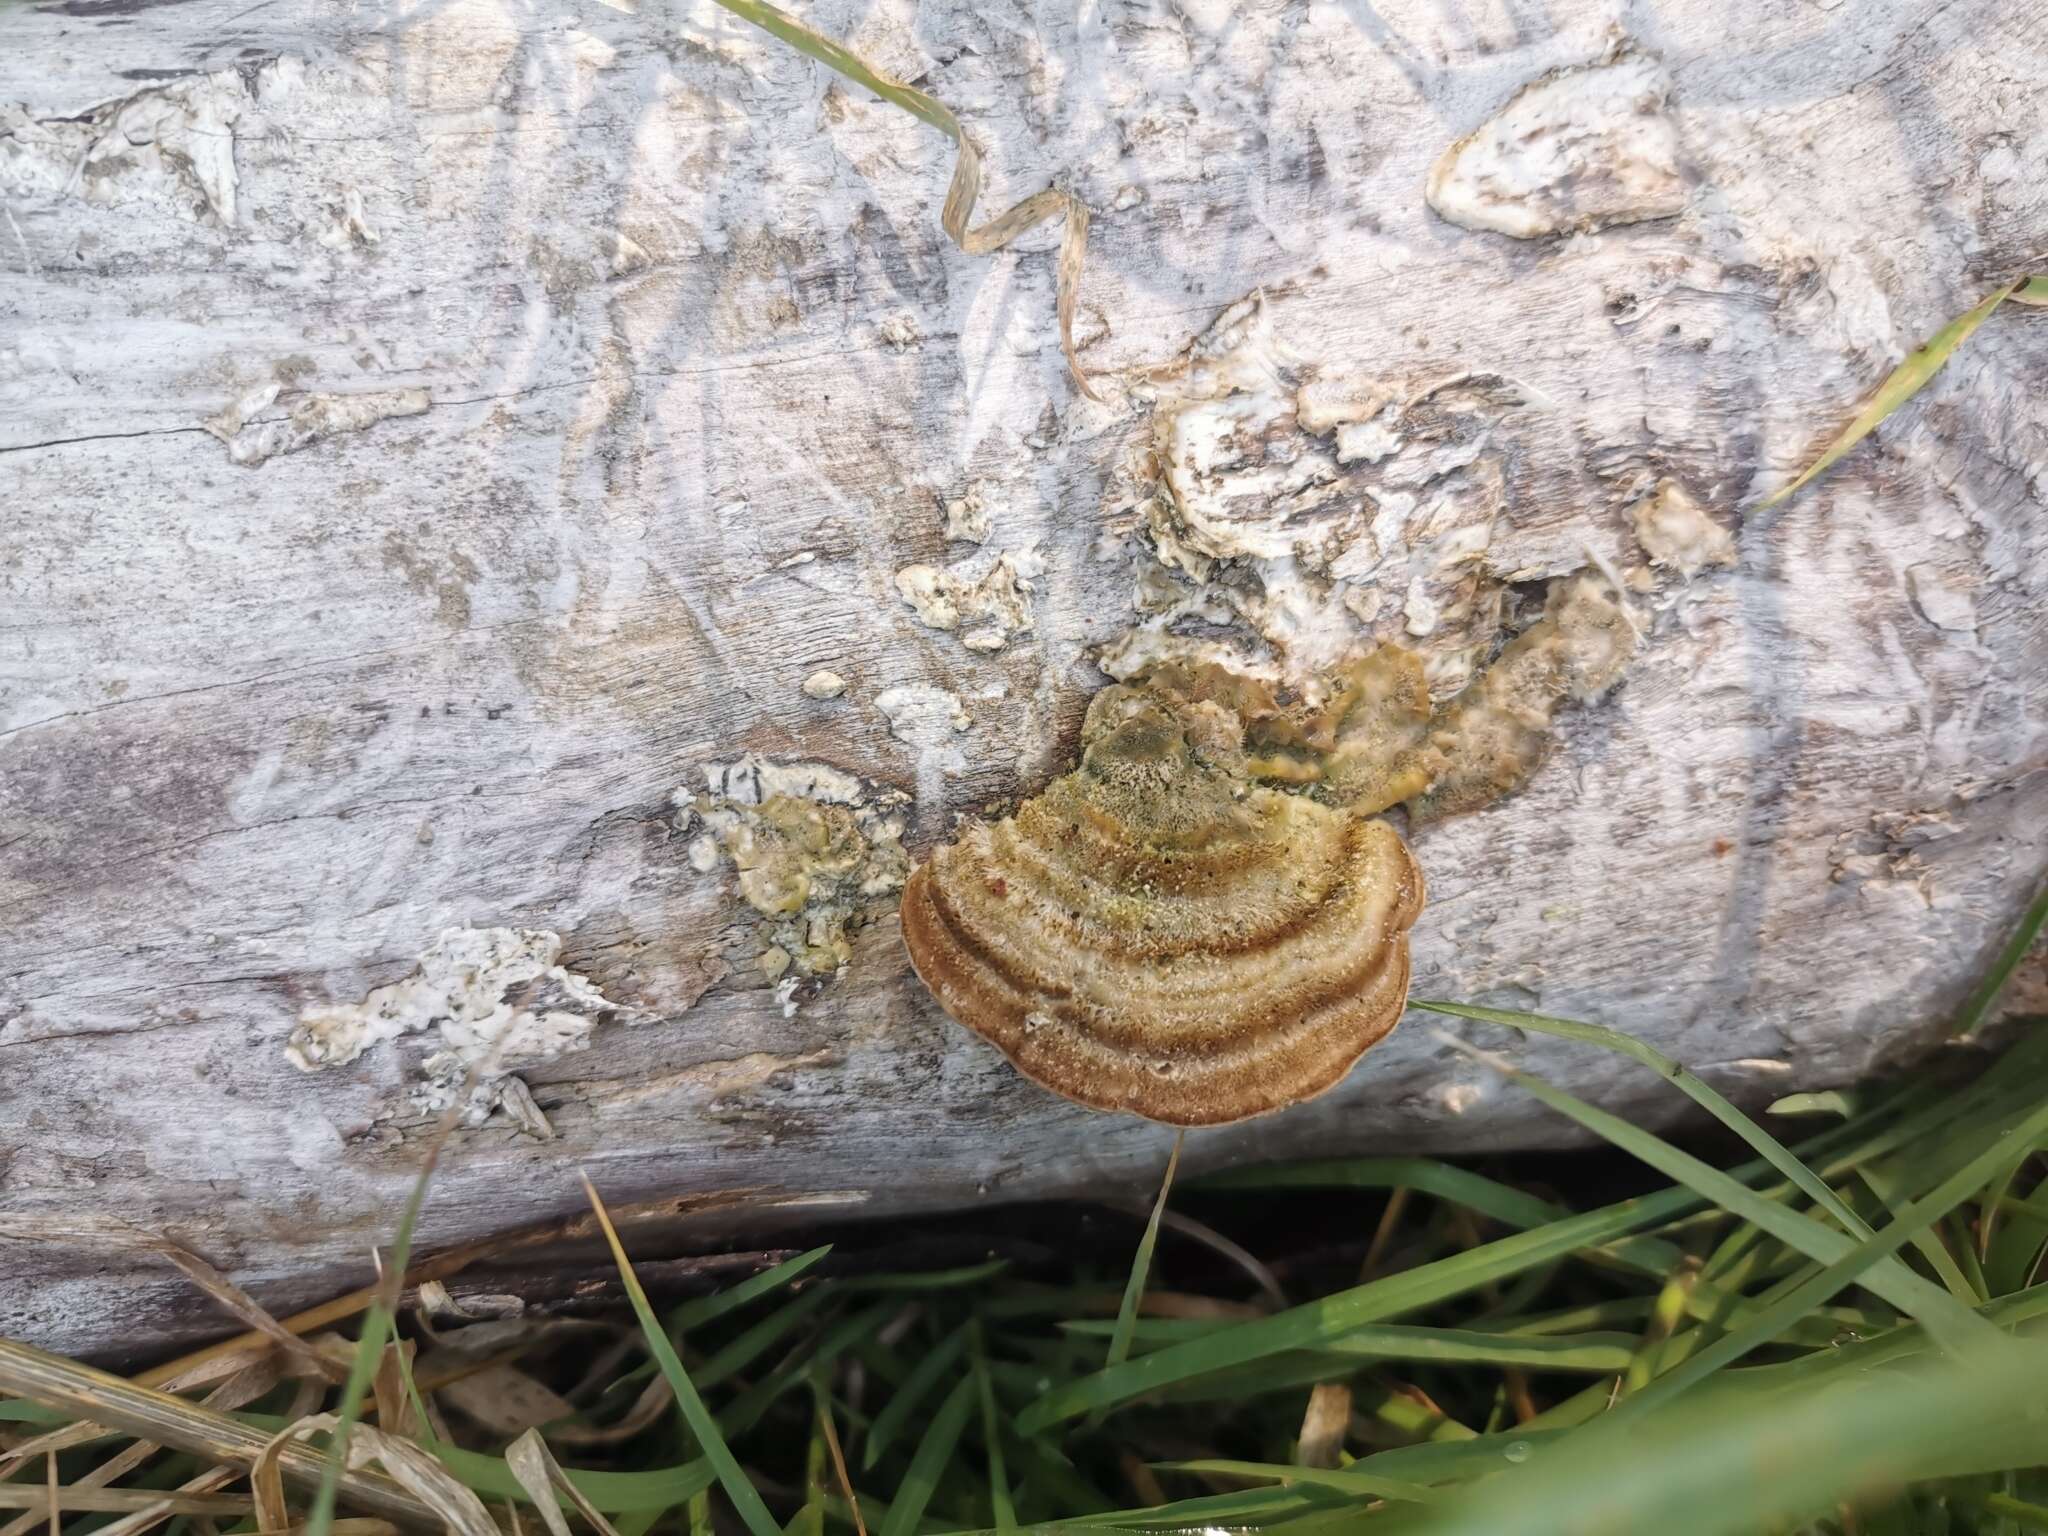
(600, 373)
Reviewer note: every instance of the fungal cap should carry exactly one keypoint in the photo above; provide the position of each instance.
(1154, 934)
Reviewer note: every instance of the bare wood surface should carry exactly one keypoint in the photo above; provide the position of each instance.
(588, 325)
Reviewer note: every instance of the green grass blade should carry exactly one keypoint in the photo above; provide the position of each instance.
(616, 1493)
(756, 1341)
(1423, 1175)
(1595, 1352)
(1733, 1464)
(1903, 383)
(1251, 1508)
(2030, 1517)
(369, 1350)
(1943, 1314)
(934, 1451)
(1979, 1006)
(1141, 1264)
(705, 1309)
(746, 1500)
(1001, 1508)
(1682, 1078)
(1926, 1243)
(747, 1410)
(909, 1397)
(1315, 1323)
(1811, 1293)
(1363, 1484)
(933, 1280)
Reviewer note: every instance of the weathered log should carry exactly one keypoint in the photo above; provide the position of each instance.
(434, 436)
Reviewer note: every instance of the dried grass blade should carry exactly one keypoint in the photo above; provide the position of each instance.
(73, 1500)
(652, 1402)
(388, 1389)
(157, 1513)
(528, 1459)
(245, 1308)
(62, 1438)
(266, 1483)
(1901, 385)
(566, 1485)
(246, 1385)
(1324, 1424)
(107, 1399)
(965, 186)
(454, 1503)
(838, 1454)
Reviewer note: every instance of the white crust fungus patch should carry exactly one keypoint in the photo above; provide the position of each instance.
(969, 519)
(1676, 533)
(499, 1000)
(1580, 149)
(988, 605)
(1316, 511)
(309, 421)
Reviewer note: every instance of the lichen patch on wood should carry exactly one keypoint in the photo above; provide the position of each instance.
(309, 420)
(1581, 149)
(1676, 532)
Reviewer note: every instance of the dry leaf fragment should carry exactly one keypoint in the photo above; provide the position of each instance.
(505, 1400)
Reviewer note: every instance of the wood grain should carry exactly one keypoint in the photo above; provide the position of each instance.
(683, 313)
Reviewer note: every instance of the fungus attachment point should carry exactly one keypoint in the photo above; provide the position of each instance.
(1157, 933)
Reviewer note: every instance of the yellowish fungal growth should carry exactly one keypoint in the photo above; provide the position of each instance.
(1491, 737)
(813, 851)
(1161, 932)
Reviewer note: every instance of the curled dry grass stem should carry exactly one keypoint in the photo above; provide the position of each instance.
(965, 187)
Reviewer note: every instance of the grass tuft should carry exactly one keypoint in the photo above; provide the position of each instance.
(1708, 1338)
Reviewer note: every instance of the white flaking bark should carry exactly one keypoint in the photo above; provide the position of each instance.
(700, 376)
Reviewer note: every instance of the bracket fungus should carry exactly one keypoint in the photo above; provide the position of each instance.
(1160, 934)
